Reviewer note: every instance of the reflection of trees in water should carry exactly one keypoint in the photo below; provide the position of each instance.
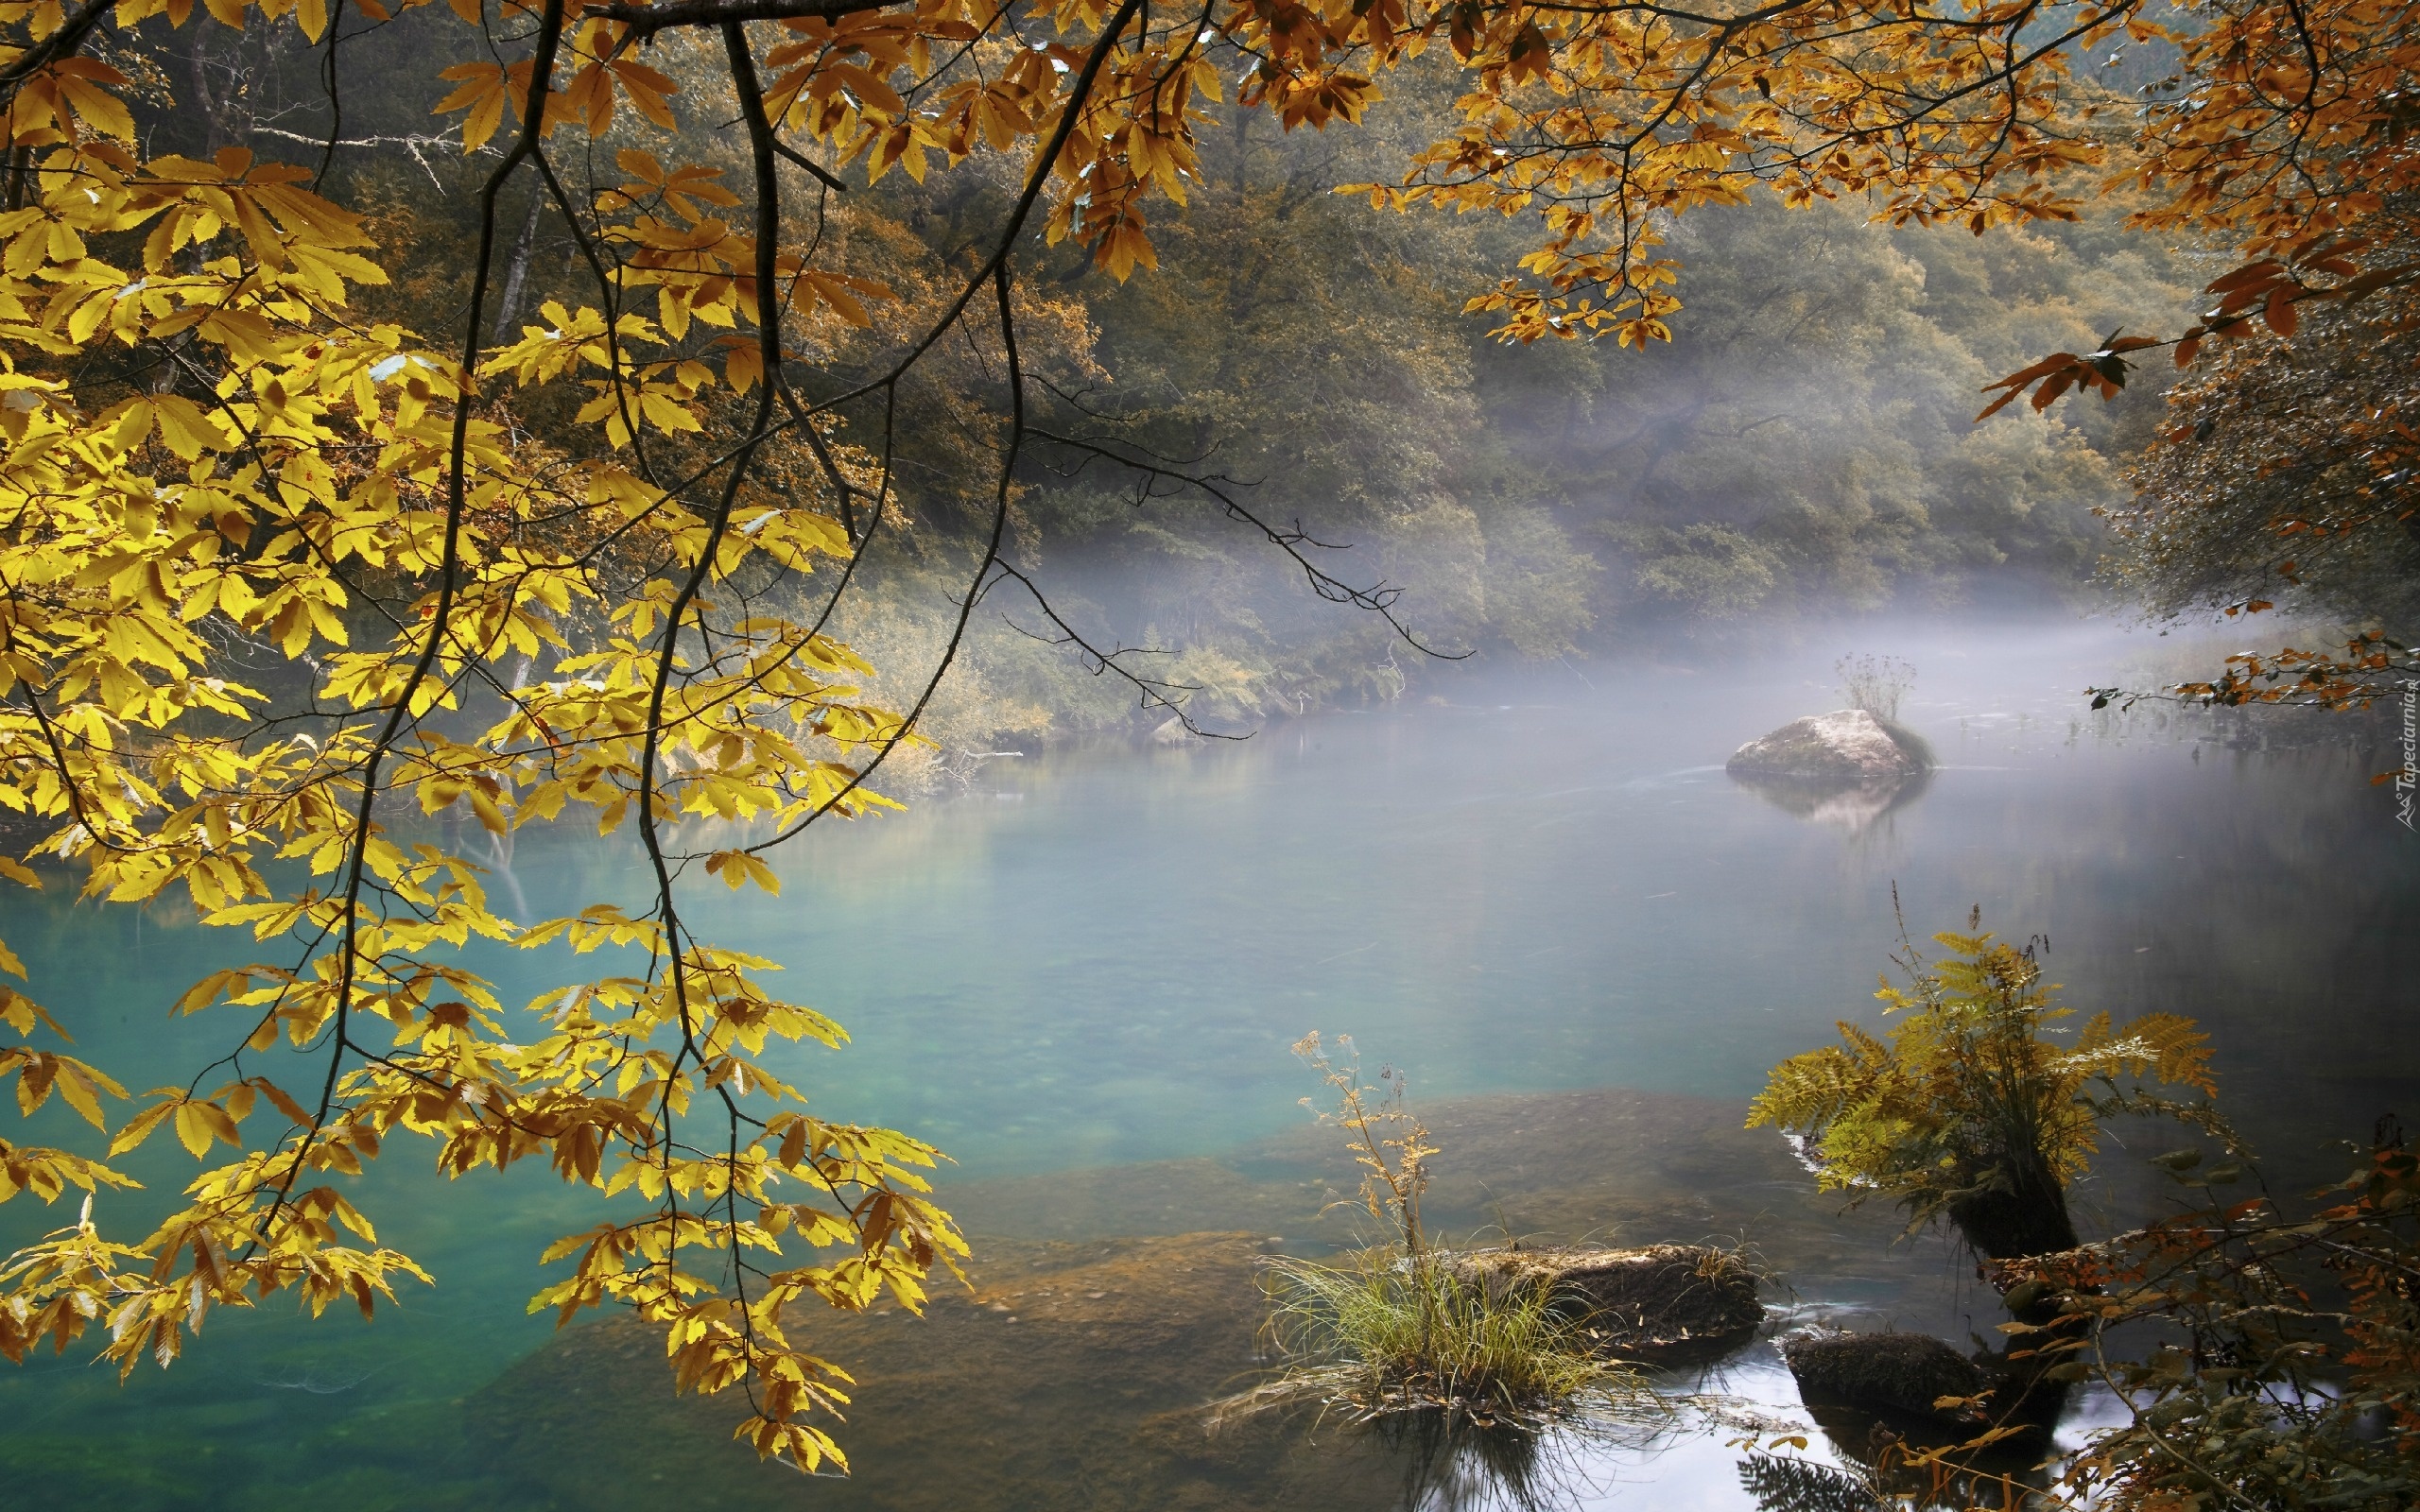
(1782, 1484)
(1875, 1472)
(1449, 1465)
(1452, 1465)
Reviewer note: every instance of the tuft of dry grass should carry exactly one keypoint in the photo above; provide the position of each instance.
(1375, 1333)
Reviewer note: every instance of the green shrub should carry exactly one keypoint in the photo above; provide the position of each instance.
(1974, 1109)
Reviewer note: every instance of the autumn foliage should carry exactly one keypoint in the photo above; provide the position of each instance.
(274, 575)
(1973, 1110)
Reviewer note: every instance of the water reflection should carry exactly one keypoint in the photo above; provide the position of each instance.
(1850, 807)
(1449, 1466)
(1782, 1483)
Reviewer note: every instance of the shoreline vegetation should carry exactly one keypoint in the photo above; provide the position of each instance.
(975, 723)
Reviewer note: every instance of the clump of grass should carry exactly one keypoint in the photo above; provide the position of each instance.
(1400, 1328)
(1378, 1333)
(1876, 684)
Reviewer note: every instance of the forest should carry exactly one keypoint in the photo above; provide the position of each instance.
(1803, 447)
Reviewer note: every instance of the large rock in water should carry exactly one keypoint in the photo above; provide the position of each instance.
(1899, 1372)
(1849, 746)
(1659, 1300)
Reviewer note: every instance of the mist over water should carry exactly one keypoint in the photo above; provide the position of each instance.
(1519, 881)
(1508, 883)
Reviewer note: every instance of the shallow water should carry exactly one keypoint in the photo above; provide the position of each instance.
(1082, 975)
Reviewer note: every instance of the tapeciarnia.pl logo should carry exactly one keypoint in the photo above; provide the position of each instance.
(2408, 778)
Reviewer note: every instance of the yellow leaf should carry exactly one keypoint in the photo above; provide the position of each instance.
(191, 1131)
(186, 427)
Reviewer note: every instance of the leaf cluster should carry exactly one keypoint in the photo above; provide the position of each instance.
(2267, 1357)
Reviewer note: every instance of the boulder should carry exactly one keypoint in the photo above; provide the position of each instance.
(1896, 1372)
(1658, 1301)
(1849, 748)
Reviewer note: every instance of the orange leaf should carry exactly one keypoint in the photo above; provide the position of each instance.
(2280, 311)
(2048, 366)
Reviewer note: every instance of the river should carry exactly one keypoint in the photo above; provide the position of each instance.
(1538, 894)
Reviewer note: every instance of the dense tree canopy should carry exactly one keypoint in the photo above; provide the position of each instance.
(326, 514)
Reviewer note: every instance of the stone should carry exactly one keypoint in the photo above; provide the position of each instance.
(1658, 1301)
(1849, 746)
(1890, 1371)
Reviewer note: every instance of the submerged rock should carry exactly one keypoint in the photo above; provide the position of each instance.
(1082, 1365)
(1899, 1372)
(1661, 1299)
(1848, 747)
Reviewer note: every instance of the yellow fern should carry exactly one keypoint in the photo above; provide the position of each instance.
(1971, 1100)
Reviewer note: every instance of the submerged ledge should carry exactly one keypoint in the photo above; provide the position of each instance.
(1109, 1305)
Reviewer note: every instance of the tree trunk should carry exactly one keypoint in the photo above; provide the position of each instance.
(2028, 1218)
(516, 273)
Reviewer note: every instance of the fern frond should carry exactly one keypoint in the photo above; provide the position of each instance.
(1807, 1093)
(2168, 1047)
(1968, 1097)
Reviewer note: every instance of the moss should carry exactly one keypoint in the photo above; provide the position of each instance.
(1650, 1302)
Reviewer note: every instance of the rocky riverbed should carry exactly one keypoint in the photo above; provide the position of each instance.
(1074, 1370)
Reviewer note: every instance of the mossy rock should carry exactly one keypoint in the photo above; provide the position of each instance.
(1656, 1302)
(1896, 1372)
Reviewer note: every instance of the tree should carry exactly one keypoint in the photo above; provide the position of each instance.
(214, 464)
(2283, 477)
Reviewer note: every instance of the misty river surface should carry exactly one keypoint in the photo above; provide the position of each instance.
(1537, 894)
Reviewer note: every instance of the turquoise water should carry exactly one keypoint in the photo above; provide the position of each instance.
(1099, 957)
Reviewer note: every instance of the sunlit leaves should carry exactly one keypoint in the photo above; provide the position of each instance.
(39, 1072)
(483, 88)
(473, 623)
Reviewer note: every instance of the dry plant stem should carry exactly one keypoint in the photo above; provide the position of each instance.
(1390, 1183)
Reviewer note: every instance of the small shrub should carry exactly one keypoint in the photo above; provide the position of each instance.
(1399, 1328)
(1973, 1110)
(1875, 683)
